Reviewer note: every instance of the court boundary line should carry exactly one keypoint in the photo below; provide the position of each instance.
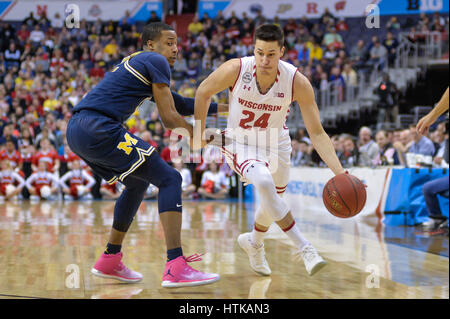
(20, 296)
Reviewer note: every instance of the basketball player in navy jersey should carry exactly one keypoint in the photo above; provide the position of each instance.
(95, 133)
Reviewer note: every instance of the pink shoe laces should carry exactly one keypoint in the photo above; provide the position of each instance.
(193, 258)
(121, 267)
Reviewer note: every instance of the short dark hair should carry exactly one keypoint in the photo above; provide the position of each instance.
(269, 33)
(153, 31)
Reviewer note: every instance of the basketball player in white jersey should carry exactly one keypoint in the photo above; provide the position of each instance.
(261, 89)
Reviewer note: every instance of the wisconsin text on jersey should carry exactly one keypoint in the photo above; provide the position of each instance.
(260, 106)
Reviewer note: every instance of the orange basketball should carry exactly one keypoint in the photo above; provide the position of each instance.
(344, 195)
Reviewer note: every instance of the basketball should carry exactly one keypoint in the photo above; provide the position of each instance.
(344, 195)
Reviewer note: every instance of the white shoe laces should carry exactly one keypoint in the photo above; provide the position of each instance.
(259, 254)
(309, 253)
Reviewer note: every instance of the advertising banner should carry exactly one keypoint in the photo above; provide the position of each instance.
(114, 10)
(315, 8)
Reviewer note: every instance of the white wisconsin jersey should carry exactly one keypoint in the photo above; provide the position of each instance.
(249, 110)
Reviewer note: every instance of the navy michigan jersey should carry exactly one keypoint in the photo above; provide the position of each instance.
(124, 88)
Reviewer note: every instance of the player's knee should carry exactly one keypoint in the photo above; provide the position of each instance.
(427, 189)
(173, 179)
(264, 182)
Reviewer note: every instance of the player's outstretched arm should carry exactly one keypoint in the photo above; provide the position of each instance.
(224, 77)
(304, 95)
(166, 109)
(185, 105)
(425, 122)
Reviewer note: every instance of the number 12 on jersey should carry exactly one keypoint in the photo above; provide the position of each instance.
(262, 121)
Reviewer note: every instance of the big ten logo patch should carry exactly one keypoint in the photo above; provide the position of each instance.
(247, 77)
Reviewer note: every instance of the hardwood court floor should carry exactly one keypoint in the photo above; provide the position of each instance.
(42, 244)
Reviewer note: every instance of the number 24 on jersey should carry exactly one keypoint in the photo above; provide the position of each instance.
(262, 121)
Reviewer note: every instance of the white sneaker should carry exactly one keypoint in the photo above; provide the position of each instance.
(313, 262)
(256, 256)
(429, 225)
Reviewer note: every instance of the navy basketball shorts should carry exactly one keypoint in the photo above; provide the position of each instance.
(106, 146)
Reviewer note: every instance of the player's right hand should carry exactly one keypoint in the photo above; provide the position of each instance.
(216, 137)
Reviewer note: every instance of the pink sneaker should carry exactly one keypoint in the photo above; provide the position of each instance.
(179, 274)
(111, 266)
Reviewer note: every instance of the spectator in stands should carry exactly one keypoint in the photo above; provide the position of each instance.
(402, 145)
(214, 183)
(12, 56)
(378, 55)
(303, 55)
(350, 156)
(187, 186)
(153, 17)
(296, 154)
(45, 134)
(43, 20)
(193, 65)
(341, 25)
(57, 21)
(387, 105)
(36, 36)
(8, 130)
(30, 21)
(391, 45)
(337, 78)
(393, 25)
(195, 27)
(305, 151)
(323, 86)
(430, 191)
(259, 19)
(368, 149)
(179, 67)
(386, 153)
(51, 103)
(290, 27)
(111, 50)
(330, 53)
(421, 144)
(424, 21)
(46, 154)
(327, 17)
(441, 139)
(333, 39)
(349, 75)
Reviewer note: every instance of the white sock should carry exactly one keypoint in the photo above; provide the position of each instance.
(296, 236)
(257, 237)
